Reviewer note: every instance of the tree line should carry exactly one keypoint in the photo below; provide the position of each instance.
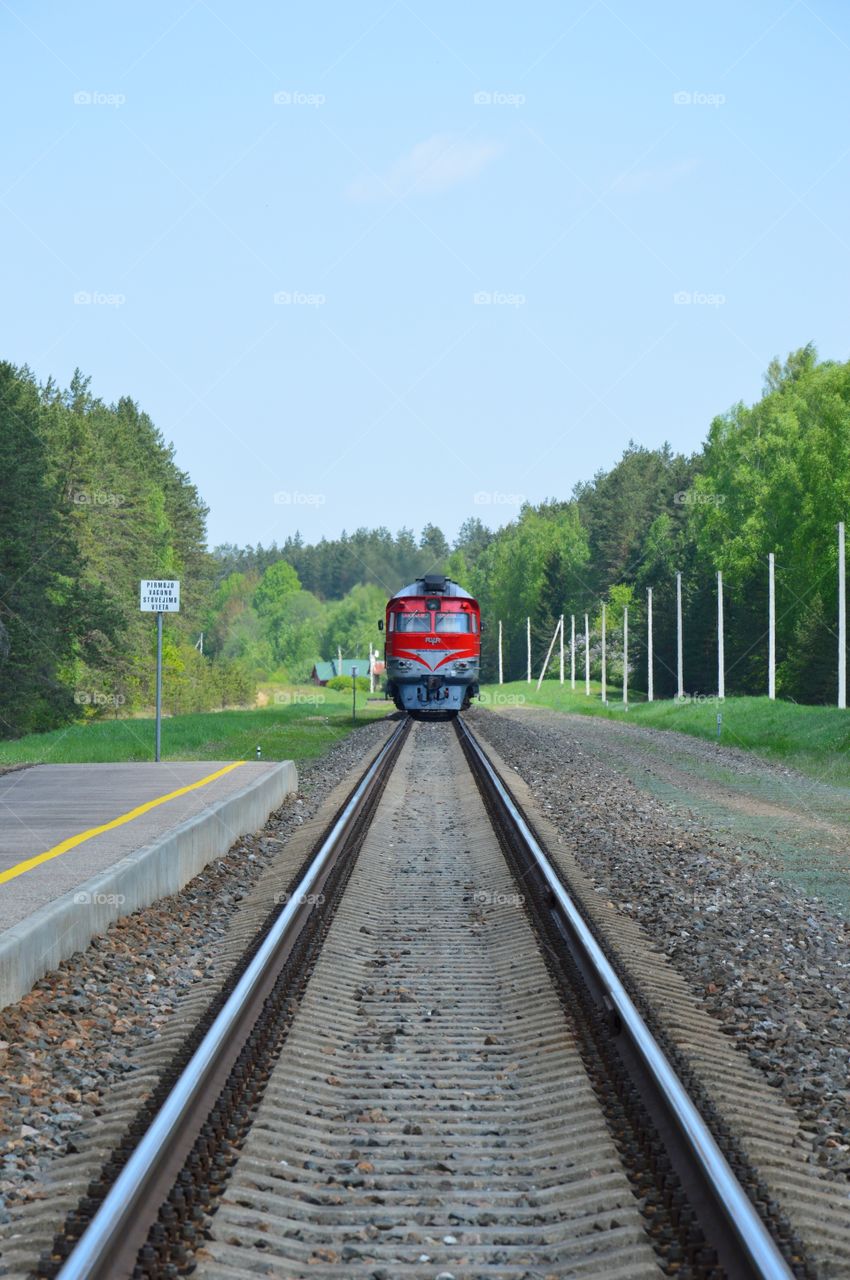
(770, 477)
(93, 500)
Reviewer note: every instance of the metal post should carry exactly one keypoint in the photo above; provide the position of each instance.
(771, 626)
(528, 649)
(604, 660)
(649, 689)
(572, 651)
(680, 666)
(501, 676)
(721, 661)
(353, 693)
(586, 657)
(625, 655)
(158, 686)
(842, 623)
(562, 648)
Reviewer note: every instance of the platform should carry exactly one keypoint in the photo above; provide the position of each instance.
(82, 845)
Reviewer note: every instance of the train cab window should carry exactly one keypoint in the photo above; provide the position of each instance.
(453, 622)
(413, 621)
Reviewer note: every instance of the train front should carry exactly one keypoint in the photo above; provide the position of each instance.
(433, 647)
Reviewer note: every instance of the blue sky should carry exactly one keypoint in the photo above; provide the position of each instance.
(392, 263)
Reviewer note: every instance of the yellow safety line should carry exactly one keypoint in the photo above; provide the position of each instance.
(73, 841)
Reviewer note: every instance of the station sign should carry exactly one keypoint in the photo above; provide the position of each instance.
(159, 595)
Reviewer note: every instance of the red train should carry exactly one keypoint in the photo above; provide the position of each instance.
(433, 647)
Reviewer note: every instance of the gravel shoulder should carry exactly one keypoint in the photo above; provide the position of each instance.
(769, 962)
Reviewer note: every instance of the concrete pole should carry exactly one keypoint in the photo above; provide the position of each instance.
(562, 648)
(771, 626)
(649, 689)
(842, 623)
(572, 651)
(586, 656)
(545, 666)
(528, 650)
(604, 660)
(501, 678)
(626, 656)
(721, 660)
(680, 664)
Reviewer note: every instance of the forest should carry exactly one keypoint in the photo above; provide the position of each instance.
(93, 500)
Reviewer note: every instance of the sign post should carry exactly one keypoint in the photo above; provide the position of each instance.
(159, 596)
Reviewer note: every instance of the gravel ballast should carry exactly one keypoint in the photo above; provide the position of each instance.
(66, 1044)
(771, 964)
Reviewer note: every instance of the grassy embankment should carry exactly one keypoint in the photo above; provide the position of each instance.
(301, 724)
(815, 740)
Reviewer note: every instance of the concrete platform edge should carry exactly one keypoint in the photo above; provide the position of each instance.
(50, 935)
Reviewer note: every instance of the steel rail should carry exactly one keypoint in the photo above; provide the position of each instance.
(104, 1241)
(740, 1214)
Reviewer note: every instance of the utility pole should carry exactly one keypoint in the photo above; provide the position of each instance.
(680, 667)
(501, 676)
(528, 650)
(572, 651)
(771, 626)
(625, 655)
(842, 623)
(721, 661)
(562, 648)
(604, 660)
(586, 656)
(649, 690)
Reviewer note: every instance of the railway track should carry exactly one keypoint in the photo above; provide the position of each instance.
(425, 1067)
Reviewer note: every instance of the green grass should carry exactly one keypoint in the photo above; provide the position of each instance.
(301, 724)
(814, 740)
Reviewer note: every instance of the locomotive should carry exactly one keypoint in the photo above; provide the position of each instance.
(433, 647)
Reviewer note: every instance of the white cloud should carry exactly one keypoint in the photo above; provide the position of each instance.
(435, 165)
(660, 179)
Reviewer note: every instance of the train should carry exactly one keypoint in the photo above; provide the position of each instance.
(432, 647)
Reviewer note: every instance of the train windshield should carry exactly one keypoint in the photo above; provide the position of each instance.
(412, 621)
(454, 622)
